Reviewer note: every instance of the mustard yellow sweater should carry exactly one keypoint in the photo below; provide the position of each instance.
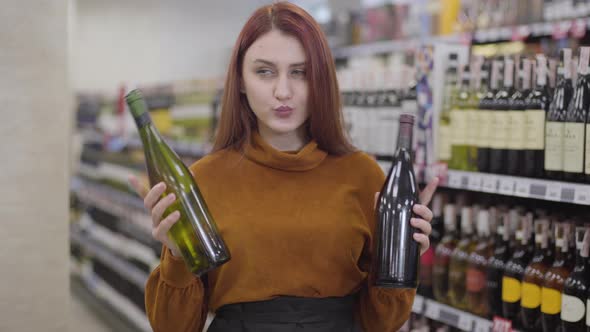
(297, 224)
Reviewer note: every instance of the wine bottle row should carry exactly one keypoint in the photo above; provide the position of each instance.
(527, 267)
(504, 116)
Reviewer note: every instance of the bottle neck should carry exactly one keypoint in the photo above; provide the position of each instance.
(404, 140)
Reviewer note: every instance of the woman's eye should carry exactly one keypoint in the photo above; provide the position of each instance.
(264, 72)
(299, 73)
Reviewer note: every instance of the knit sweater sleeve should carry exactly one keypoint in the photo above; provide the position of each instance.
(378, 309)
(174, 298)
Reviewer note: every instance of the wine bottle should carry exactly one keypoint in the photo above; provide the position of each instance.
(554, 133)
(450, 87)
(442, 257)
(516, 124)
(397, 253)
(500, 134)
(514, 272)
(573, 143)
(554, 279)
(480, 84)
(537, 104)
(575, 288)
(459, 123)
(496, 265)
(195, 233)
(460, 260)
(486, 120)
(477, 293)
(534, 277)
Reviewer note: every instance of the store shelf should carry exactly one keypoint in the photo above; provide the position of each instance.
(94, 249)
(450, 316)
(557, 29)
(391, 46)
(557, 191)
(123, 205)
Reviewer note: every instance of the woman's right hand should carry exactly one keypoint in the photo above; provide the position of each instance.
(156, 205)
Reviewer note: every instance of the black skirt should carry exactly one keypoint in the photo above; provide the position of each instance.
(288, 314)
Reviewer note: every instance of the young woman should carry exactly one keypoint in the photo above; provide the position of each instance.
(292, 198)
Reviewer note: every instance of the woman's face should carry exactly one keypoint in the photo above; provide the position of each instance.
(274, 81)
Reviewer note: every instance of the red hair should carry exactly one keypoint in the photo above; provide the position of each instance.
(325, 123)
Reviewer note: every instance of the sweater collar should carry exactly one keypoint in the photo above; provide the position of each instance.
(309, 157)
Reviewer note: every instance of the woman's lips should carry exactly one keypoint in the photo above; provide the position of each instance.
(283, 111)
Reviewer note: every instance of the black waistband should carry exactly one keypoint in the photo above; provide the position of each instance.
(289, 309)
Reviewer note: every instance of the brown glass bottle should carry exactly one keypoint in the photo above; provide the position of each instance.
(442, 256)
(537, 104)
(500, 129)
(573, 143)
(460, 260)
(575, 288)
(554, 279)
(554, 128)
(514, 272)
(534, 277)
(496, 265)
(477, 295)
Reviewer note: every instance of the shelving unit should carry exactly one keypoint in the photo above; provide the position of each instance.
(451, 316)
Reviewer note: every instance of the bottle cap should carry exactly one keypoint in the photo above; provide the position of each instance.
(483, 223)
(466, 220)
(450, 217)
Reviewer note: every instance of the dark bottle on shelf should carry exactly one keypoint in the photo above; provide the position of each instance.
(573, 144)
(477, 292)
(554, 279)
(496, 265)
(397, 253)
(554, 128)
(450, 92)
(442, 257)
(195, 233)
(537, 104)
(481, 87)
(575, 288)
(516, 123)
(500, 122)
(485, 118)
(534, 277)
(460, 260)
(514, 272)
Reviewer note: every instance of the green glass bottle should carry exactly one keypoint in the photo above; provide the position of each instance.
(195, 233)
(459, 124)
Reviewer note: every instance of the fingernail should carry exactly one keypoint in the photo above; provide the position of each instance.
(171, 197)
(176, 214)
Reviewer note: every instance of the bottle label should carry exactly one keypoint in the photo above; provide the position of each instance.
(572, 308)
(535, 129)
(516, 129)
(588, 312)
(550, 301)
(531, 296)
(444, 142)
(476, 280)
(483, 125)
(459, 127)
(573, 147)
(587, 168)
(471, 127)
(499, 130)
(511, 290)
(554, 146)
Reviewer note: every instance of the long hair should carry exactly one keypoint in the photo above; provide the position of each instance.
(325, 123)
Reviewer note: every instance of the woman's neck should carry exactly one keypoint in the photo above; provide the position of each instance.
(292, 141)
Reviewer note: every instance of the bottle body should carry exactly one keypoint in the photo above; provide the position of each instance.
(397, 253)
(195, 233)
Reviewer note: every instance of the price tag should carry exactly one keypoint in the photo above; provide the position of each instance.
(454, 180)
(501, 325)
(568, 194)
(418, 304)
(482, 325)
(506, 186)
(432, 310)
(538, 190)
(465, 323)
(450, 317)
(489, 183)
(464, 181)
(475, 182)
(522, 188)
(582, 195)
(553, 192)
(578, 29)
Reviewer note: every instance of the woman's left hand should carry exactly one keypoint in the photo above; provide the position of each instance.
(424, 215)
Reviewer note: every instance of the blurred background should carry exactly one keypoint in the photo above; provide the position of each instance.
(499, 87)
